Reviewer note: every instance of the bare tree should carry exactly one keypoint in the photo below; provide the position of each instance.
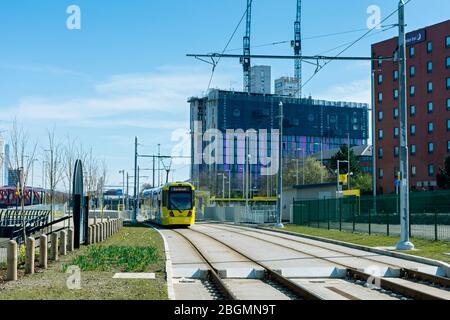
(55, 168)
(21, 163)
(69, 159)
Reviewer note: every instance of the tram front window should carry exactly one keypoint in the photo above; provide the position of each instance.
(180, 201)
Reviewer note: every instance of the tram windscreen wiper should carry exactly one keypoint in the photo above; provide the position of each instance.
(172, 205)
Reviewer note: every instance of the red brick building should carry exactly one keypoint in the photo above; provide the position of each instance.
(428, 104)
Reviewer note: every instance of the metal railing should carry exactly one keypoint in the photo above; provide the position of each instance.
(429, 214)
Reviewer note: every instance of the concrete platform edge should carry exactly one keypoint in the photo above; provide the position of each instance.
(436, 263)
(170, 289)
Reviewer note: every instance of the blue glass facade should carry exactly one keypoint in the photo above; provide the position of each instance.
(307, 125)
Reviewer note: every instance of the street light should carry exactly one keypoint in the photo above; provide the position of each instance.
(32, 180)
(280, 171)
(321, 158)
(303, 164)
(123, 188)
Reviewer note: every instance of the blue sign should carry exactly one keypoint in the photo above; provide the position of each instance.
(416, 37)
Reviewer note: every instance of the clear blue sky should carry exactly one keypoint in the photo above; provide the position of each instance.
(125, 72)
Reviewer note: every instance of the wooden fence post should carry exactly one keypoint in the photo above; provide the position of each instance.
(30, 255)
(11, 272)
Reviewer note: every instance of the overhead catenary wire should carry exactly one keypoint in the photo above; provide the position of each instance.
(320, 67)
(215, 63)
(304, 39)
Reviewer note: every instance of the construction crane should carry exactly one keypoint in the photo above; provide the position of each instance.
(245, 60)
(297, 45)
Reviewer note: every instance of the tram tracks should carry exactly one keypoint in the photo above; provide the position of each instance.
(352, 273)
(271, 277)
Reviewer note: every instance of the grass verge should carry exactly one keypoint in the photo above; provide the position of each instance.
(425, 248)
(133, 249)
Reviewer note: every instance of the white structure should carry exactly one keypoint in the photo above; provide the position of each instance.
(286, 86)
(261, 78)
(4, 162)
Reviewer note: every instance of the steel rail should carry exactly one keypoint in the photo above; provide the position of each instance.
(271, 274)
(404, 272)
(212, 273)
(351, 271)
(393, 286)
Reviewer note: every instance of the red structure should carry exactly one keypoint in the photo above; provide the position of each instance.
(428, 104)
(8, 197)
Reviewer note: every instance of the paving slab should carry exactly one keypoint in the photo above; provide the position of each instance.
(193, 289)
(339, 289)
(250, 289)
(130, 275)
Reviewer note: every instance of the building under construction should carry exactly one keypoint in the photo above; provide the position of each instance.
(309, 126)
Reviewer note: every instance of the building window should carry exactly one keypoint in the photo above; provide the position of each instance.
(412, 91)
(448, 146)
(430, 147)
(395, 113)
(413, 110)
(395, 132)
(430, 47)
(380, 97)
(448, 103)
(380, 61)
(448, 125)
(380, 115)
(381, 134)
(448, 83)
(380, 153)
(381, 173)
(412, 71)
(430, 127)
(447, 62)
(447, 42)
(395, 152)
(395, 75)
(430, 67)
(412, 52)
(430, 170)
(429, 87)
(380, 79)
(413, 149)
(395, 94)
(430, 107)
(413, 171)
(413, 129)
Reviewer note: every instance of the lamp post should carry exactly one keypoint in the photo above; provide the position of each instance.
(303, 165)
(123, 188)
(280, 170)
(32, 180)
(321, 158)
(404, 243)
(348, 162)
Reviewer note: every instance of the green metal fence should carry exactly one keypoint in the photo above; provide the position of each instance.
(429, 214)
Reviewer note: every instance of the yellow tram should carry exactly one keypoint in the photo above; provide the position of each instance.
(170, 205)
